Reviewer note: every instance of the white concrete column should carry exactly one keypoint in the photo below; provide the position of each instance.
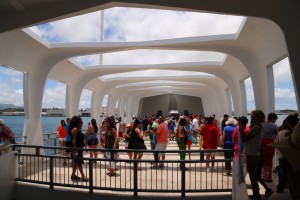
(121, 108)
(107, 106)
(129, 107)
(96, 105)
(296, 73)
(67, 109)
(112, 104)
(229, 103)
(262, 94)
(33, 83)
(244, 98)
(271, 89)
(135, 106)
(73, 98)
(236, 98)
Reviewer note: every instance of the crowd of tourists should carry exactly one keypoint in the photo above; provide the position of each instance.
(252, 145)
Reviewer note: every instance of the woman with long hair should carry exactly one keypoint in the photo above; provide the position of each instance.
(136, 140)
(181, 139)
(77, 142)
(111, 142)
(92, 138)
(252, 148)
(61, 134)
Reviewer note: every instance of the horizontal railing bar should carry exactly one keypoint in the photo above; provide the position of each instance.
(125, 150)
(196, 179)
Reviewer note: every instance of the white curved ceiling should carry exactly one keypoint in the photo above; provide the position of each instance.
(147, 62)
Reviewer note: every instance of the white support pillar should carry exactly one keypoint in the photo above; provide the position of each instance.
(228, 96)
(271, 89)
(112, 104)
(236, 99)
(262, 95)
(107, 106)
(96, 105)
(244, 98)
(73, 98)
(33, 84)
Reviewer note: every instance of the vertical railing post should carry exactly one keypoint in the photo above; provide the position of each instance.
(183, 179)
(91, 186)
(201, 156)
(51, 172)
(37, 151)
(135, 177)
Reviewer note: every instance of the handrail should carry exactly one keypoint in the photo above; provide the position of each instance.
(49, 169)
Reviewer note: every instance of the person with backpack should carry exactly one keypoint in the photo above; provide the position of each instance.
(92, 138)
(151, 130)
(6, 135)
(181, 139)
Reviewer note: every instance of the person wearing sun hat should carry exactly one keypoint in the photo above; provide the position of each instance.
(286, 130)
(290, 150)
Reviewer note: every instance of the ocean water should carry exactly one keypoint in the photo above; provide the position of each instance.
(50, 124)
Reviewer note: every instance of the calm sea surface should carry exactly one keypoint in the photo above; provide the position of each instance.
(50, 124)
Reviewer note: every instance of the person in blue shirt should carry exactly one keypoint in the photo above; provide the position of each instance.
(227, 143)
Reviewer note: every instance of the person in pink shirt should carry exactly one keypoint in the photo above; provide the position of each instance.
(161, 140)
(243, 128)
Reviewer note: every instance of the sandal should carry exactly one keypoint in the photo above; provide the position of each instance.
(84, 179)
(111, 174)
(75, 177)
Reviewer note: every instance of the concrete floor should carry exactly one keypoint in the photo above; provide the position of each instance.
(166, 178)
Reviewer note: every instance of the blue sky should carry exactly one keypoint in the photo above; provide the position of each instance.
(133, 24)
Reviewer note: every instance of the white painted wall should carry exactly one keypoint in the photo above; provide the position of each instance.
(8, 174)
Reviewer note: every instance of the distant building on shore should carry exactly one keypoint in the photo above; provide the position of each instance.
(13, 113)
(55, 112)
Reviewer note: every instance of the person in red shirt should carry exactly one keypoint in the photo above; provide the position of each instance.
(61, 134)
(211, 140)
(161, 140)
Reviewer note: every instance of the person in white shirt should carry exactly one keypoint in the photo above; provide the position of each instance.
(195, 122)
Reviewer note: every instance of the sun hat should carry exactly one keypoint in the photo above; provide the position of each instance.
(290, 148)
(231, 121)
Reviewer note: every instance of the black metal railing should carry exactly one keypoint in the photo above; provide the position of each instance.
(137, 176)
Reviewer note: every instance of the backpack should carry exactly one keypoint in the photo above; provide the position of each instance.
(6, 133)
(186, 135)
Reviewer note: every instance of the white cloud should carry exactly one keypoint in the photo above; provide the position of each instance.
(55, 96)
(10, 86)
(249, 94)
(9, 95)
(76, 29)
(17, 80)
(285, 98)
(87, 60)
(10, 72)
(105, 100)
(135, 24)
(85, 99)
(282, 71)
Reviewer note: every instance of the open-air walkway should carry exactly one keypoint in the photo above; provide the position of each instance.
(151, 182)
